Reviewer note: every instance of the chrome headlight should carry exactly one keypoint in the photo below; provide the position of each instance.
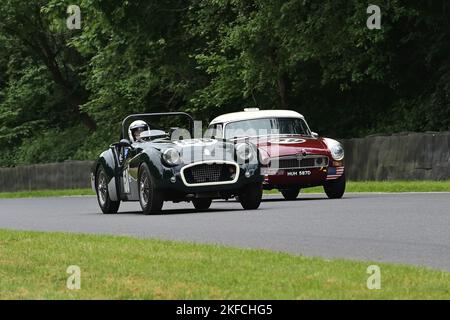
(337, 152)
(264, 157)
(244, 152)
(171, 156)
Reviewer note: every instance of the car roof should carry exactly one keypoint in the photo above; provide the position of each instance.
(256, 114)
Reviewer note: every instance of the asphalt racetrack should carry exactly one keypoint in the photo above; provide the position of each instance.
(410, 228)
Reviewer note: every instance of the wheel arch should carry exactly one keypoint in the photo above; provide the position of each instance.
(152, 158)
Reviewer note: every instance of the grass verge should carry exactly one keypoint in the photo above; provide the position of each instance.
(33, 266)
(352, 186)
(46, 193)
(388, 186)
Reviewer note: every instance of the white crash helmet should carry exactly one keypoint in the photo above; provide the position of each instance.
(136, 128)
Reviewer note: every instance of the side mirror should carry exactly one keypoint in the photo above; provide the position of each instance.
(124, 143)
(315, 135)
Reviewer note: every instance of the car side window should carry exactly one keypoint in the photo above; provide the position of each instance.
(215, 130)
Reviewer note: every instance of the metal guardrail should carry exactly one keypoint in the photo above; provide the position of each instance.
(410, 156)
(64, 175)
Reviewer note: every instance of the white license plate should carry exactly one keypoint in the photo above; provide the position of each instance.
(298, 173)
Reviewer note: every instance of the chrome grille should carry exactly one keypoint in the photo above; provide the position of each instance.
(206, 173)
(307, 162)
(210, 173)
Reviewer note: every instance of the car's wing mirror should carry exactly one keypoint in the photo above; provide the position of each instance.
(315, 135)
(124, 143)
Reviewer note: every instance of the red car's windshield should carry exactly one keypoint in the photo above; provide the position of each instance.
(266, 126)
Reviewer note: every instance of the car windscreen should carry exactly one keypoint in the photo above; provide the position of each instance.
(266, 126)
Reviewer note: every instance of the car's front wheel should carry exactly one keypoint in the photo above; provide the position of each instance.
(202, 204)
(151, 199)
(250, 196)
(107, 205)
(290, 194)
(335, 188)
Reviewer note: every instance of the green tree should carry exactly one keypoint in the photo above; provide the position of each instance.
(70, 89)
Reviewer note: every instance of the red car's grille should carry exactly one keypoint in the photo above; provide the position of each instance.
(309, 162)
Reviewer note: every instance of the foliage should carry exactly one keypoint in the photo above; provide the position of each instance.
(212, 57)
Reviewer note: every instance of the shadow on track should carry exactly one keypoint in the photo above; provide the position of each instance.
(179, 212)
(281, 199)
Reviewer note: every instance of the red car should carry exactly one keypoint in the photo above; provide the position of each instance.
(293, 156)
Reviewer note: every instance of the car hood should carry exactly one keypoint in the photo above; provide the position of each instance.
(194, 150)
(291, 145)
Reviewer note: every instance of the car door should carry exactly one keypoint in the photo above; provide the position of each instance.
(129, 181)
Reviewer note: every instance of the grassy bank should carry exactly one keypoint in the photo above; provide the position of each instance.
(33, 265)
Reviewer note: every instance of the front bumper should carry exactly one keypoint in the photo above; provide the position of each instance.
(173, 181)
(303, 178)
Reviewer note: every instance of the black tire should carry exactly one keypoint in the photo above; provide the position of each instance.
(290, 194)
(151, 200)
(202, 204)
(335, 189)
(250, 196)
(101, 187)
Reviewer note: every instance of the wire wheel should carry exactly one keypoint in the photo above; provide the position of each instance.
(151, 199)
(104, 200)
(102, 189)
(144, 189)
